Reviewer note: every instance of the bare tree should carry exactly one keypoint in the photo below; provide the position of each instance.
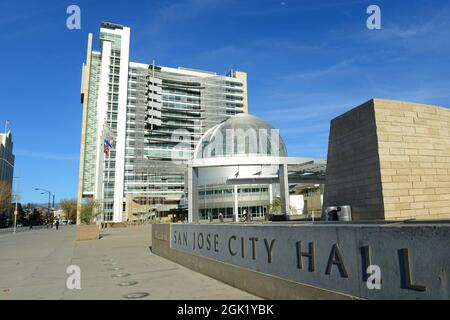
(69, 206)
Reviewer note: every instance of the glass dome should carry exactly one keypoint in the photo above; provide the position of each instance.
(241, 135)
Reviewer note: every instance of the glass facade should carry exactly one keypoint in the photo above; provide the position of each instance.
(167, 112)
(90, 156)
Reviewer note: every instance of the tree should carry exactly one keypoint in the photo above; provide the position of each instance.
(5, 203)
(5, 195)
(69, 206)
(275, 206)
(89, 211)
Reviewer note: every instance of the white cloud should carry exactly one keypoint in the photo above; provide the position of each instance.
(46, 156)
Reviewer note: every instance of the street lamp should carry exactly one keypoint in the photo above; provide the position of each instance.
(15, 210)
(49, 196)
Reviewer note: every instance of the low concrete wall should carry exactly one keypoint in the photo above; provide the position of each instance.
(320, 261)
(257, 283)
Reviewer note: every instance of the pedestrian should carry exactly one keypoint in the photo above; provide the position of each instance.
(57, 224)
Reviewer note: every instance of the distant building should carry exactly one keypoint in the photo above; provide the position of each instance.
(153, 115)
(59, 214)
(6, 157)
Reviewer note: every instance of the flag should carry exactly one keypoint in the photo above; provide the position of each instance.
(108, 138)
(106, 146)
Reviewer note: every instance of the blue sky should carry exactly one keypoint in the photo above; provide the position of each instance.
(307, 62)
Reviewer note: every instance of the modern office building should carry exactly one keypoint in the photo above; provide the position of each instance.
(6, 158)
(140, 125)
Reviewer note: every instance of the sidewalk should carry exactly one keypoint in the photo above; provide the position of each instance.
(33, 266)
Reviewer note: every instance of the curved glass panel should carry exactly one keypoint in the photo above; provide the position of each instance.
(241, 135)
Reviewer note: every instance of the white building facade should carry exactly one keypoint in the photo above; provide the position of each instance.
(156, 115)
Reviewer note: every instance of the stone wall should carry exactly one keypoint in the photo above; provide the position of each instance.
(315, 261)
(414, 150)
(353, 168)
(390, 160)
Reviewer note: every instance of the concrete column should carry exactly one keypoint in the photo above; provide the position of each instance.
(284, 188)
(193, 211)
(236, 204)
(270, 193)
(85, 93)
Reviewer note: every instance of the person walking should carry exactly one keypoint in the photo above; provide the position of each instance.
(57, 224)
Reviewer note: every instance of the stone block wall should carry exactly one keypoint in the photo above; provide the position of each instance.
(353, 168)
(390, 160)
(414, 152)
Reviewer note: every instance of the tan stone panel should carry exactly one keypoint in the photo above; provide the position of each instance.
(426, 198)
(429, 152)
(404, 165)
(392, 158)
(385, 165)
(400, 179)
(391, 200)
(408, 199)
(421, 191)
(442, 159)
(397, 185)
(440, 212)
(402, 206)
(397, 151)
(393, 144)
(445, 197)
(388, 128)
(400, 119)
(417, 205)
(414, 178)
(443, 185)
(423, 172)
(411, 152)
(429, 178)
(413, 212)
(388, 172)
(442, 190)
(438, 204)
(383, 151)
(403, 171)
(395, 192)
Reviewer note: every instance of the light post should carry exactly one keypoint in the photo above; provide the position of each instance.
(49, 196)
(15, 210)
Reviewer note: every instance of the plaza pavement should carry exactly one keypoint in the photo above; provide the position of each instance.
(33, 265)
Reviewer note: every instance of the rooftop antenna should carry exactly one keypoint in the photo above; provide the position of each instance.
(7, 123)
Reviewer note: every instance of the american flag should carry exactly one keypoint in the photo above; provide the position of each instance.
(106, 146)
(108, 138)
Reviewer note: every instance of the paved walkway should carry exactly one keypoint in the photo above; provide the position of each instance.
(33, 265)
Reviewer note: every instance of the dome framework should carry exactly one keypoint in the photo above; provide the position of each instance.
(247, 141)
(241, 135)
